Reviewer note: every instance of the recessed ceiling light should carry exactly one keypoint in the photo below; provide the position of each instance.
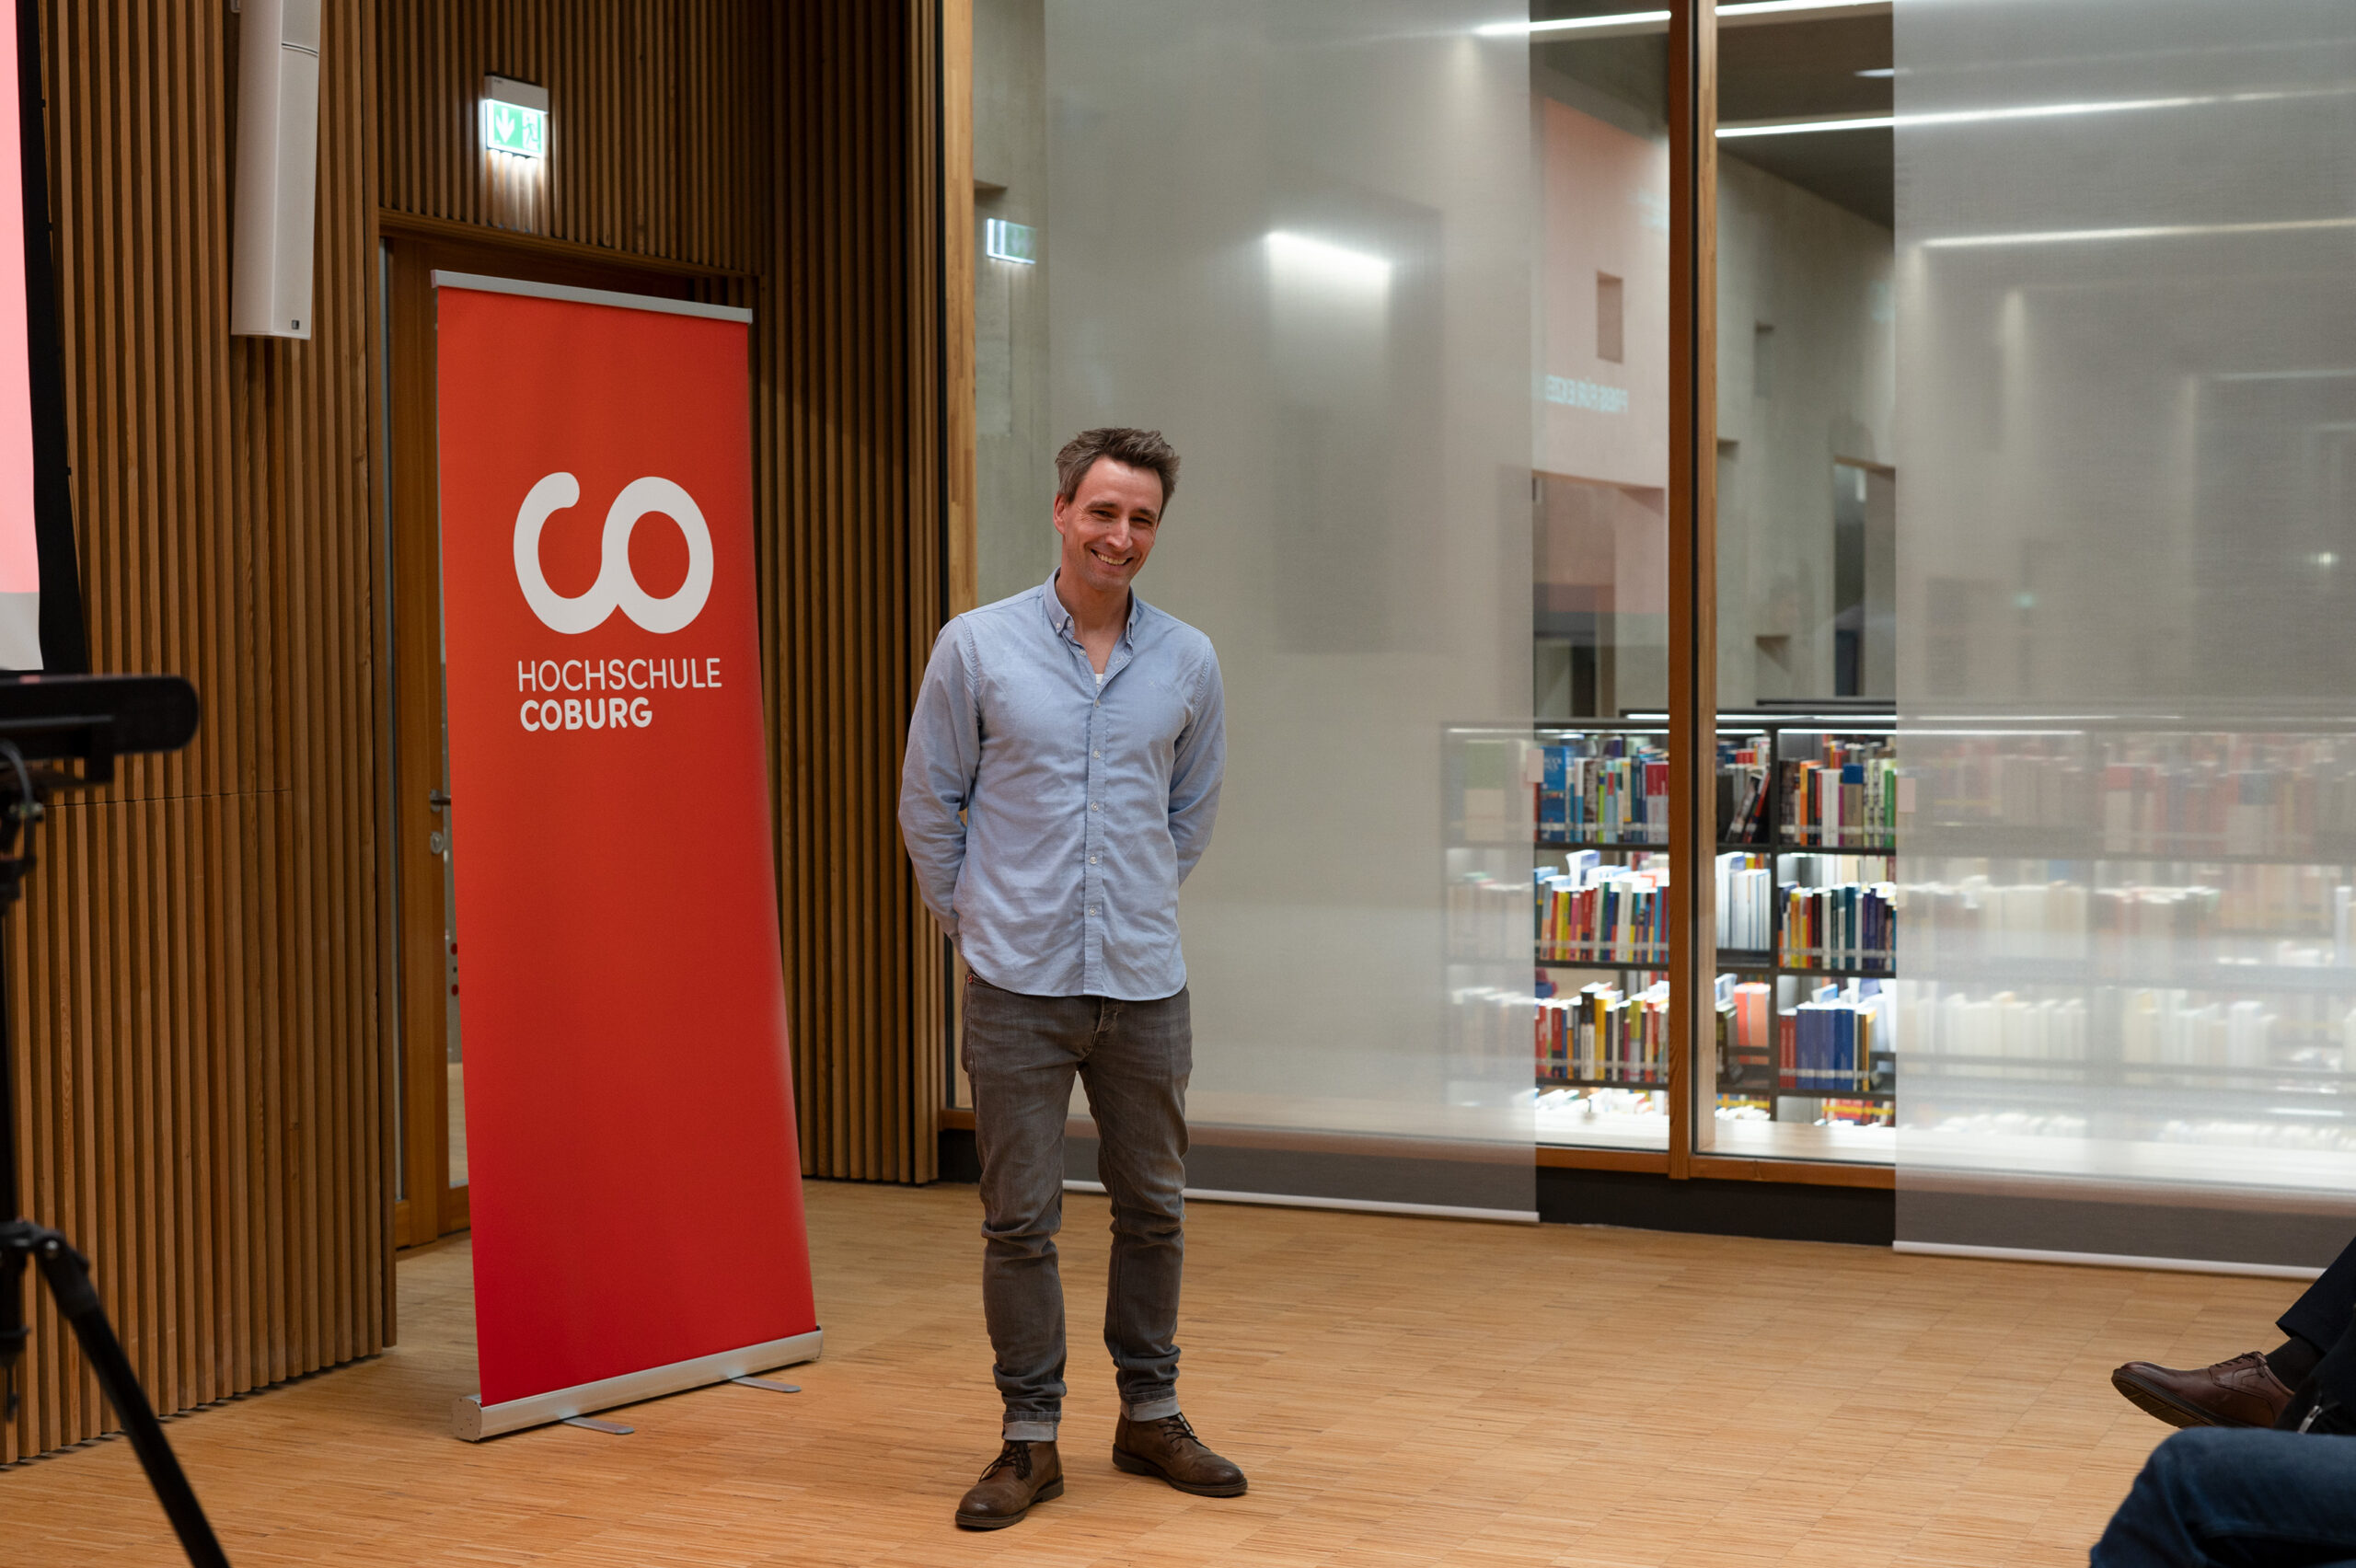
(1639, 21)
(1332, 263)
(1803, 127)
(2155, 231)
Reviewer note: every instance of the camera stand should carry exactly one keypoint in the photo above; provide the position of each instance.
(65, 1271)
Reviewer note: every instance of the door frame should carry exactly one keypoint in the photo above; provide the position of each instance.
(409, 251)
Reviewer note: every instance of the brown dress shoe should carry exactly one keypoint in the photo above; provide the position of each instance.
(2241, 1392)
(1023, 1473)
(1170, 1449)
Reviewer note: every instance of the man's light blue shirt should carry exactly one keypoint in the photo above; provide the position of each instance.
(1085, 803)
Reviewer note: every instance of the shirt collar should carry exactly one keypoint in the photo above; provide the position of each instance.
(1060, 619)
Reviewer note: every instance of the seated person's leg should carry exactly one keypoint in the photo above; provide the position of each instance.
(2245, 1392)
(2254, 1388)
(2252, 1499)
(2326, 1402)
(2321, 1315)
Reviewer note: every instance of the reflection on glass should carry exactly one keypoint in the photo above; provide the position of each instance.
(1594, 917)
(2148, 975)
(1299, 243)
(2127, 448)
(1015, 448)
(1806, 529)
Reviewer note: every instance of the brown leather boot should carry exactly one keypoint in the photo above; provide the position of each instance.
(1023, 1473)
(1170, 1449)
(2241, 1392)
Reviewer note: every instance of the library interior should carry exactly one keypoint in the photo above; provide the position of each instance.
(1775, 977)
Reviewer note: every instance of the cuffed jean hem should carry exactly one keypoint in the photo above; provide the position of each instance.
(1153, 1408)
(1026, 1431)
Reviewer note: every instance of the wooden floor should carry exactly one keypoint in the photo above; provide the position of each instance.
(1401, 1391)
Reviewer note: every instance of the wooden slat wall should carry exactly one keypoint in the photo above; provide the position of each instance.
(204, 1084)
(848, 413)
(654, 107)
(796, 144)
(201, 1077)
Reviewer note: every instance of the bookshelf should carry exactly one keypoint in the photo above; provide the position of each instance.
(1797, 1007)
(2134, 934)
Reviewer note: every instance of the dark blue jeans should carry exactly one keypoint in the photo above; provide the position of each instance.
(2218, 1497)
(1022, 1054)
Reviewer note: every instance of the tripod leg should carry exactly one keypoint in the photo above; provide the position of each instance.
(12, 1311)
(77, 1301)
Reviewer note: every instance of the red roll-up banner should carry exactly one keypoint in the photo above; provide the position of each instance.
(636, 1182)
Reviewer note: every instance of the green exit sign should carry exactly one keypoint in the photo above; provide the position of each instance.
(515, 118)
(1003, 241)
(512, 128)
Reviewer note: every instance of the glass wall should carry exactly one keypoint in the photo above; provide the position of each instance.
(2128, 825)
(2032, 869)
(1600, 578)
(1804, 1064)
(1297, 238)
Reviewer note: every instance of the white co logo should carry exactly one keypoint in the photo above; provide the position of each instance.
(615, 586)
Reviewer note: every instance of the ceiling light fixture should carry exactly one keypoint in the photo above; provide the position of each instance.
(1802, 127)
(1658, 21)
(2021, 111)
(1337, 263)
(2157, 231)
(2285, 375)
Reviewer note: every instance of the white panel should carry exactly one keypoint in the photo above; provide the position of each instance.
(299, 24)
(1297, 237)
(277, 176)
(298, 186)
(2127, 543)
(20, 631)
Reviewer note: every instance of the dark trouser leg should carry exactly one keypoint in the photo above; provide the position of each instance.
(1020, 1053)
(2322, 1315)
(1137, 1075)
(2237, 1499)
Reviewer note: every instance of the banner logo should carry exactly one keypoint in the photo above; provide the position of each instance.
(615, 587)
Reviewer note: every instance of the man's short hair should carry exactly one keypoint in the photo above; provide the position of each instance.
(1138, 448)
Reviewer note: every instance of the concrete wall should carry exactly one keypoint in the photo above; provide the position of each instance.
(1815, 274)
(1015, 541)
(1818, 385)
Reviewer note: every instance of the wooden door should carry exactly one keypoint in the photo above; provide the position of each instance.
(425, 823)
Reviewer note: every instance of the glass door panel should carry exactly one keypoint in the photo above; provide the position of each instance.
(1807, 519)
(1593, 780)
(1328, 311)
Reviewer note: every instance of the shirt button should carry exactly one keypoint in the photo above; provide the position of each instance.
(1091, 909)
(1095, 806)
(1096, 754)
(1091, 860)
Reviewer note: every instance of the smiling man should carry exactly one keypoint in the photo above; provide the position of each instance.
(1062, 773)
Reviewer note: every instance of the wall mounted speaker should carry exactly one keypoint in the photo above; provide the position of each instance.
(278, 168)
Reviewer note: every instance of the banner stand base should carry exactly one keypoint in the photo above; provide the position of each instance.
(473, 1421)
(770, 1383)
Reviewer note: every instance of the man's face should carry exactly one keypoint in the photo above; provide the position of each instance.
(1109, 524)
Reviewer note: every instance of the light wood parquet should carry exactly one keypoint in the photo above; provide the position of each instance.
(1402, 1391)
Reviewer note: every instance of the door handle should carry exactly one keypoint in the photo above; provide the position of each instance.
(436, 800)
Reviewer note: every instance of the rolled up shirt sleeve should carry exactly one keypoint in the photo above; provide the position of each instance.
(1196, 770)
(937, 778)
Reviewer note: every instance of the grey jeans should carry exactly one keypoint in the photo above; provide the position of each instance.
(1135, 1058)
